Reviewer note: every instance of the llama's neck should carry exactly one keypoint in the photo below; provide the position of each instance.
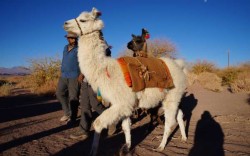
(144, 47)
(91, 56)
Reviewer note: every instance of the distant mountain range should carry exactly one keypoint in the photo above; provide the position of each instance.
(15, 71)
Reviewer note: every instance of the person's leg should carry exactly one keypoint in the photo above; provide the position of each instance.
(86, 114)
(61, 94)
(99, 108)
(95, 104)
(73, 97)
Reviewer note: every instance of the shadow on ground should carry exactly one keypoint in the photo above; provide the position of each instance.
(109, 146)
(23, 106)
(187, 105)
(30, 138)
(209, 137)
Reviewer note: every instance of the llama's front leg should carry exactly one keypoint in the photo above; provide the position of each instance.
(95, 144)
(126, 123)
(108, 117)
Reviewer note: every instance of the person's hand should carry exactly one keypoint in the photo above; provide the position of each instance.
(80, 78)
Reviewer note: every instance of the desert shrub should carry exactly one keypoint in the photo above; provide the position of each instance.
(5, 89)
(161, 47)
(8, 83)
(48, 88)
(210, 81)
(242, 81)
(18, 81)
(228, 75)
(2, 82)
(242, 84)
(44, 74)
(23, 82)
(236, 77)
(203, 66)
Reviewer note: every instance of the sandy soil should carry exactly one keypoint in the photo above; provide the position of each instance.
(216, 123)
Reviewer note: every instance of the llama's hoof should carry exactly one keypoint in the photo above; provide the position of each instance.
(159, 149)
(184, 139)
(124, 150)
(93, 152)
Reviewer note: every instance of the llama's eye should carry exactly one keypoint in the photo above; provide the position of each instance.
(82, 20)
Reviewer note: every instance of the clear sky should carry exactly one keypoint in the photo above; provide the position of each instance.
(200, 29)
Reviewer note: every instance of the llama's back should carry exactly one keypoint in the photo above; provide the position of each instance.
(182, 64)
(150, 96)
(178, 71)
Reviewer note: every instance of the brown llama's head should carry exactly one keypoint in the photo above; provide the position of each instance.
(138, 42)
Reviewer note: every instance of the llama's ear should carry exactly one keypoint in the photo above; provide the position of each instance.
(142, 31)
(133, 35)
(96, 13)
(145, 33)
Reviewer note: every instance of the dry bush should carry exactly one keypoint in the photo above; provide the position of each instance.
(24, 82)
(207, 80)
(242, 84)
(2, 81)
(8, 83)
(210, 81)
(203, 66)
(5, 89)
(49, 88)
(44, 75)
(161, 47)
(242, 80)
(19, 81)
(228, 75)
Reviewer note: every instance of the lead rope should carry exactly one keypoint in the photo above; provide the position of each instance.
(144, 71)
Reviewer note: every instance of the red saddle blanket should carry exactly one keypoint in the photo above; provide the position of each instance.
(141, 73)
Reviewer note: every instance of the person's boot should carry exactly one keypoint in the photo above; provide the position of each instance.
(79, 134)
(65, 118)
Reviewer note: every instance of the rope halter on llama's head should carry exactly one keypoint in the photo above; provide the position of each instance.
(85, 23)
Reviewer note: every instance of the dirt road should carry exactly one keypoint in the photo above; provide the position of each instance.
(216, 123)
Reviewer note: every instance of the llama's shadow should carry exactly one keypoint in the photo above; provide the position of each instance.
(109, 146)
(187, 105)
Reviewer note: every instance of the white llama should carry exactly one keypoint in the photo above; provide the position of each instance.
(105, 73)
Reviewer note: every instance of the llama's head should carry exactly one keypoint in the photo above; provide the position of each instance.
(85, 23)
(137, 42)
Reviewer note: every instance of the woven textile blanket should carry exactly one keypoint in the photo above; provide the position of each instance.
(141, 73)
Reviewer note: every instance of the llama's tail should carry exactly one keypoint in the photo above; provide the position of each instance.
(182, 64)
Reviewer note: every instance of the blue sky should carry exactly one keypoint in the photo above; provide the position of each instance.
(200, 29)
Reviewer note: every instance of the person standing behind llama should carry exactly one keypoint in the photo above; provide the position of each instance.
(89, 101)
(68, 86)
